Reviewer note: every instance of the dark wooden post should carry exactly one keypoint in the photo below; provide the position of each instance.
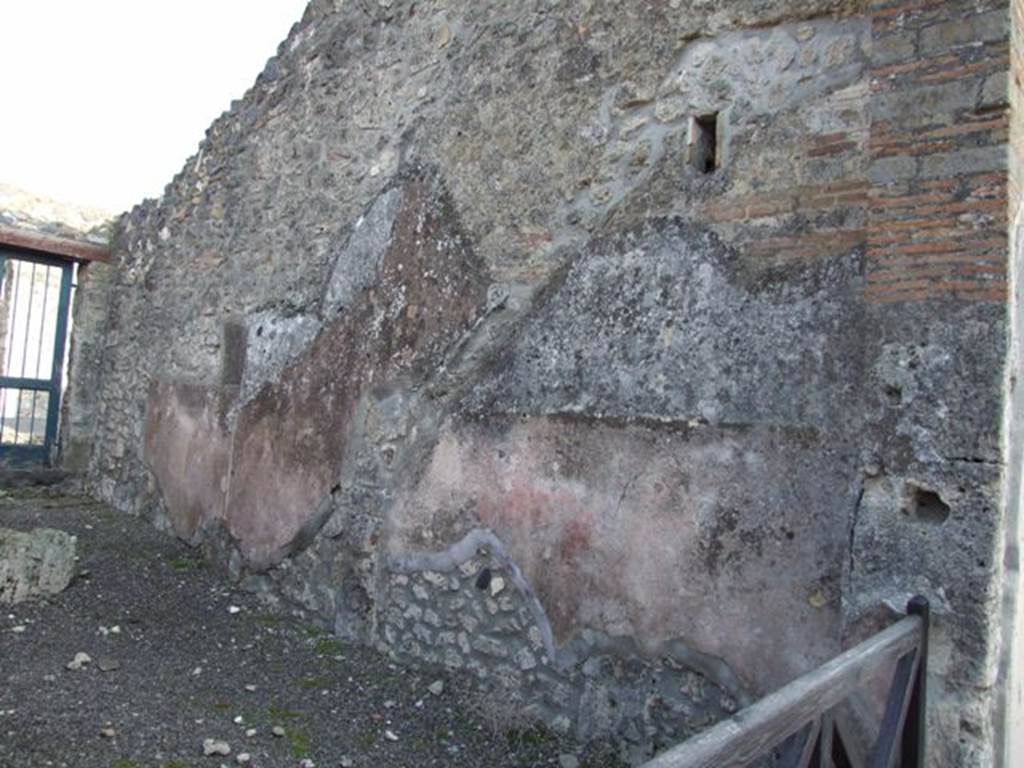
(913, 744)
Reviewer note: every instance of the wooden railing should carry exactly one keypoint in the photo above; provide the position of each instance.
(800, 726)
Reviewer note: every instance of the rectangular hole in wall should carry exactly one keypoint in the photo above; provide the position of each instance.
(704, 142)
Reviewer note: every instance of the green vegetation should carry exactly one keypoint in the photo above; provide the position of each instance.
(532, 736)
(366, 739)
(277, 714)
(328, 647)
(325, 644)
(298, 739)
(185, 564)
(312, 682)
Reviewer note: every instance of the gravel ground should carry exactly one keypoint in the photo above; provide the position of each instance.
(179, 656)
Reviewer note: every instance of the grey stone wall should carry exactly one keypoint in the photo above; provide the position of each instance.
(1010, 674)
(87, 355)
(443, 337)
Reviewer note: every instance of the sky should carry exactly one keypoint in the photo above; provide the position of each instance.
(105, 100)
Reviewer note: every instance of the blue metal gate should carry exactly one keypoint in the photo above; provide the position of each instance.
(35, 296)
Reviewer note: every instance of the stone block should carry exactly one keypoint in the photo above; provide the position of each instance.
(40, 562)
(983, 27)
(995, 91)
(965, 162)
(889, 170)
(927, 105)
(886, 49)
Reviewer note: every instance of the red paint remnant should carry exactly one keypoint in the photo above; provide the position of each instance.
(186, 448)
(576, 538)
(534, 239)
(290, 438)
(530, 506)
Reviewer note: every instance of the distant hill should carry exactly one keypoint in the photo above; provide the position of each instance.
(28, 210)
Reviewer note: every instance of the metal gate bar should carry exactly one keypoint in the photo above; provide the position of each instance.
(31, 368)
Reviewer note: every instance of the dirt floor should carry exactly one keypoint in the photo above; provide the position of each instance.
(180, 656)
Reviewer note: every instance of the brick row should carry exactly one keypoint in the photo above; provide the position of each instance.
(888, 142)
(810, 245)
(982, 61)
(880, 236)
(902, 16)
(924, 290)
(991, 262)
(842, 194)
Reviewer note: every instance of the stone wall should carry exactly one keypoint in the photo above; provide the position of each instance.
(1010, 680)
(930, 517)
(86, 361)
(634, 357)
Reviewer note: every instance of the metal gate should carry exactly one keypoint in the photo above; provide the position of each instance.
(35, 296)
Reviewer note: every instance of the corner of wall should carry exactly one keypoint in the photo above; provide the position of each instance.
(1008, 713)
(93, 297)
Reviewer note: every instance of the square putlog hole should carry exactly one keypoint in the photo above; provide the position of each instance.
(704, 143)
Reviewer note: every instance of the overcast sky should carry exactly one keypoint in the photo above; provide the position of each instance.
(104, 100)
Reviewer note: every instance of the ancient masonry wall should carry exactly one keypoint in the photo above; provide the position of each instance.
(1010, 681)
(86, 353)
(634, 357)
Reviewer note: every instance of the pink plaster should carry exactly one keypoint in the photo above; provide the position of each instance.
(613, 527)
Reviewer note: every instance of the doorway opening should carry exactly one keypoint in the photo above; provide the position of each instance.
(35, 301)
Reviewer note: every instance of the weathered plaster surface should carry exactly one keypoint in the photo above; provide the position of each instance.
(291, 436)
(668, 482)
(444, 294)
(663, 324)
(187, 447)
(652, 534)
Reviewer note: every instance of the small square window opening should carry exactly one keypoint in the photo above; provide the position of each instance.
(704, 143)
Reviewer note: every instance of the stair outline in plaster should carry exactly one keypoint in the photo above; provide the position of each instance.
(631, 122)
(643, 123)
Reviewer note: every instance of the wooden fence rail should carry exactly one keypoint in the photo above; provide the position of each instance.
(797, 727)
